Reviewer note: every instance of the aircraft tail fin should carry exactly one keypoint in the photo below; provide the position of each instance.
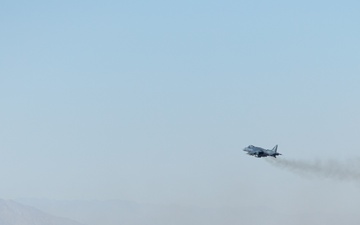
(275, 148)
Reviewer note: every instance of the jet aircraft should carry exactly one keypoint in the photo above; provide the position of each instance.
(261, 152)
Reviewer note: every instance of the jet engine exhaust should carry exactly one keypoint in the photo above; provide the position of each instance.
(332, 169)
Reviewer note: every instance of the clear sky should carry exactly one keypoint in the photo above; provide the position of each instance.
(153, 101)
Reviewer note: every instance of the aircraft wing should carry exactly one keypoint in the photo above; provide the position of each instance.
(255, 152)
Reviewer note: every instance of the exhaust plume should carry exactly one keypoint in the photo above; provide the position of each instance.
(348, 170)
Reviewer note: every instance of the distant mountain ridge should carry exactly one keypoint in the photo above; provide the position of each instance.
(14, 213)
(117, 212)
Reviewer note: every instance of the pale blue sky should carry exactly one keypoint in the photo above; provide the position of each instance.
(152, 101)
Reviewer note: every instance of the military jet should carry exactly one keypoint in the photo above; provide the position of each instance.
(261, 152)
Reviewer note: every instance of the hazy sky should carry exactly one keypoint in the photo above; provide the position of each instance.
(153, 101)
